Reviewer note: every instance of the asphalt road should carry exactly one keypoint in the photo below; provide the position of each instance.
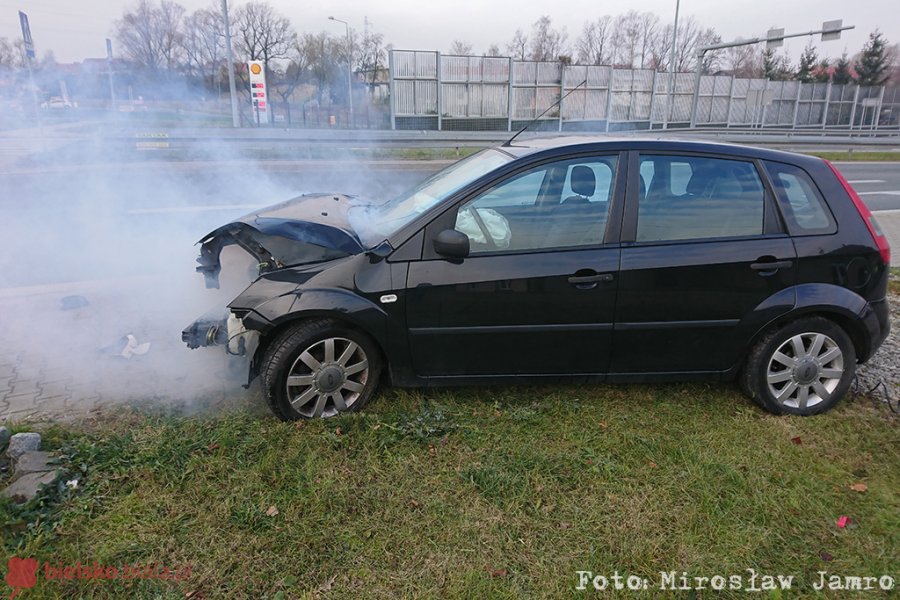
(878, 183)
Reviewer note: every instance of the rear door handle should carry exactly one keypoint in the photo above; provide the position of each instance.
(586, 280)
(772, 265)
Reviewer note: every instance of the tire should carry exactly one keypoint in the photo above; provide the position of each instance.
(803, 368)
(319, 369)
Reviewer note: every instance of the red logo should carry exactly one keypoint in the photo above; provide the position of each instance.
(22, 574)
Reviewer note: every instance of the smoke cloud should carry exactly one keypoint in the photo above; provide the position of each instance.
(100, 244)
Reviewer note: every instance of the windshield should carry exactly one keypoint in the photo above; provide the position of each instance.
(374, 224)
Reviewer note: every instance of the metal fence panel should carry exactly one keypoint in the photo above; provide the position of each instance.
(426, 97)
(811, 105)
(497, 91)
(678, 103)
(868, 104)
(840, 105)
(589, 87)
(889, 115)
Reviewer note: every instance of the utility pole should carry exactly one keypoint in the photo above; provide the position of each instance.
(29, 58)
(349, 67)
(109, 68)
(235, 117)
(670, 93)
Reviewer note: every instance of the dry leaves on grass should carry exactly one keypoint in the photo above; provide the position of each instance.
(326, 587)
(272, 511)
(859, 487)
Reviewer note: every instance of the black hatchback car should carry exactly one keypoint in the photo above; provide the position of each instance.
(589, 259)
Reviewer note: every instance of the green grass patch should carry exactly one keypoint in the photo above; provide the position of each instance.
(472, 493)
(853, 155)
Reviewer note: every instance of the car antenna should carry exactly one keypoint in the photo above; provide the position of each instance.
(509, 142)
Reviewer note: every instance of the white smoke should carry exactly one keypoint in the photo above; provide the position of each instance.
(99, 245)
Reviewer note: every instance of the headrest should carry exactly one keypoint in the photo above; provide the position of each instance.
(583, 181)
(700, 182)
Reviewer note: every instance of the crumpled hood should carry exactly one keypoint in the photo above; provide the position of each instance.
(307, 229)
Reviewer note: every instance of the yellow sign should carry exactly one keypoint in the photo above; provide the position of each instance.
(255, 68)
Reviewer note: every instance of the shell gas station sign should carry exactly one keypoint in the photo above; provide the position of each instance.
(258, 92)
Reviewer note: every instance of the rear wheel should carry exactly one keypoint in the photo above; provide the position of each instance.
(803, 368)
(319, 369)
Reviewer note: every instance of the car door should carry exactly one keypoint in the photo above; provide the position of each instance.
(536, 295)
(702, 249)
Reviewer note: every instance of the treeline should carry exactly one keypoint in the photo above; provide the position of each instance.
(641, 40)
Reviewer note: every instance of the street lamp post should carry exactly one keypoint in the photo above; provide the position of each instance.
(232, 88)
(670, 92)
(349, 67)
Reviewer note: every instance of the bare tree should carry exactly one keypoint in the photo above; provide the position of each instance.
(626, 39)
(203, 41)
(593, 46)
(261, 33)
(371, 55)
(691, 36)
(326, 57)
(301, 56)
(547, 43)
(648, 26)
(10, 55)
(150, 34)
(518, 45)
(742, 61)
(493, 50)
(460, 48)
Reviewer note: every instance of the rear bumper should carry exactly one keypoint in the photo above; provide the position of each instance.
(876, 318)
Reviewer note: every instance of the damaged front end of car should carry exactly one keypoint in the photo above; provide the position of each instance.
(286, 241)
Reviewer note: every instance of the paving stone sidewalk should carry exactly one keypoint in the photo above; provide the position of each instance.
(58, 364)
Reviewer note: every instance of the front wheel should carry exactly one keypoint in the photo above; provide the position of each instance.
(318, 369)
(803, 368)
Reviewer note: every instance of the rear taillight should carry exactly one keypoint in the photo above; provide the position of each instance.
(880, 240)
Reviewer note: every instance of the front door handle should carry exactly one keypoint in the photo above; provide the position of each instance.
(772, 265)
(586, 282)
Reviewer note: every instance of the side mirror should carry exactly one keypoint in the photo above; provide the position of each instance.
(452, 244)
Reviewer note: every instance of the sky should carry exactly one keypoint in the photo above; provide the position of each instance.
(75, 30)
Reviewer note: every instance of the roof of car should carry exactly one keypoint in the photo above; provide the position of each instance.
(530, 145)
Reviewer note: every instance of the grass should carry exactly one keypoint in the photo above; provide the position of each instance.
(853, 155)
(473, 493)
(127, 151)
(894, 280)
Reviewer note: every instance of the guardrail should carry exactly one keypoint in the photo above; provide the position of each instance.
(463, 139)
(302, 143)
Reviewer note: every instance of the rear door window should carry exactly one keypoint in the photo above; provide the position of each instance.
(690, 198)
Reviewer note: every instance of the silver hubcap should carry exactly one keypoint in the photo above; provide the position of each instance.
(327, 378)
(805, 370)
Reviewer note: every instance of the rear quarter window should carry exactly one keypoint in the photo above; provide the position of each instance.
(801, 201)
